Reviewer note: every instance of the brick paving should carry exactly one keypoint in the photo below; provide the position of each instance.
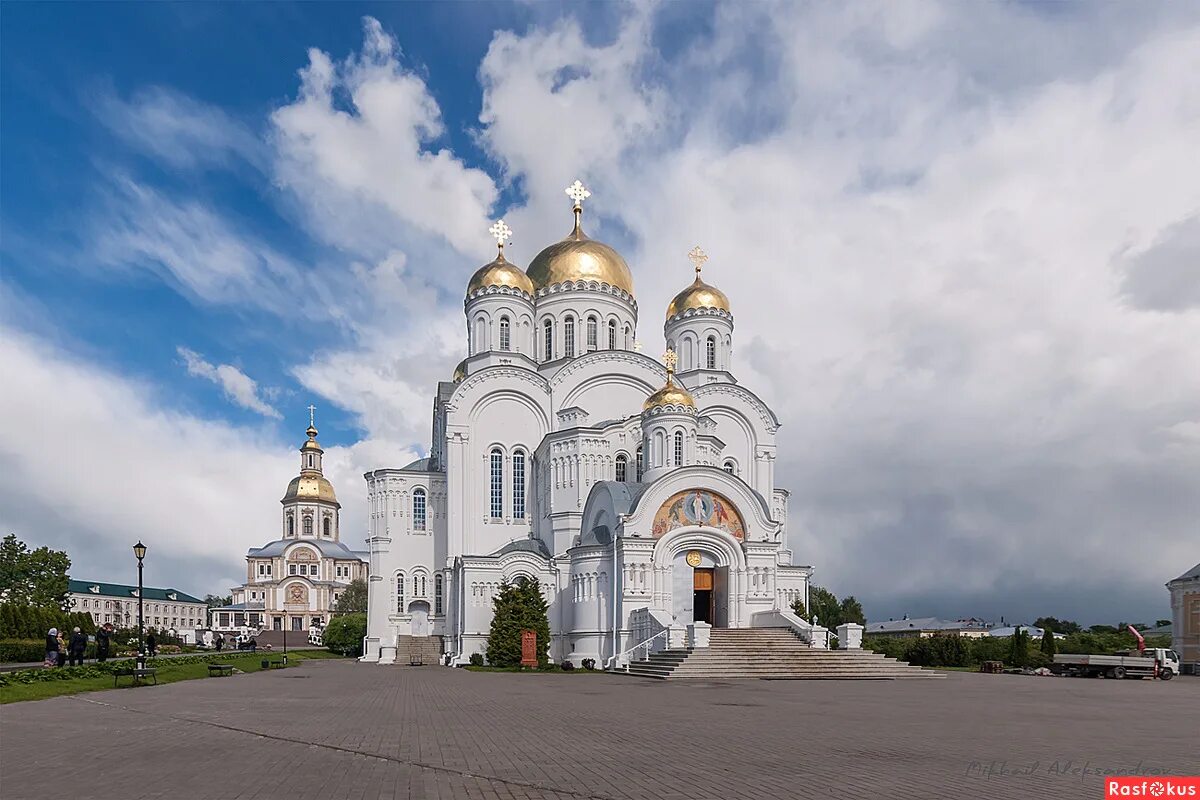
(331, 730)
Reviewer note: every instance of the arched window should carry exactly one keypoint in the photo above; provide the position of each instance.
(418, 511)
(310, 460)
(327, 527)
(437, 593)
(419, 584)
(622, 468)
(679, 448)
(730, 467)
(497, 483)
(640, 464)
(548, 340)
(628, 338)
(308, 526)
(477, 345)
(400, 592)
(712, 352)
(518, 487)
(291, 526)
(505, 334)
(593, 334)
(612, 334)
(569, 337)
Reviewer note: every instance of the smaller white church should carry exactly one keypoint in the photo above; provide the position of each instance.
(639, 495)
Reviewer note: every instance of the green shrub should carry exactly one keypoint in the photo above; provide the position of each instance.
(19, 651)
(476, 659)
(567, 665)
(344, 634)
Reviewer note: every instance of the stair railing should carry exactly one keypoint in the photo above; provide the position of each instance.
(646, 647)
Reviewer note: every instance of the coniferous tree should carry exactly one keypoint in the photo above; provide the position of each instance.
(1048, 646)
(1018, 654)
(518, 607)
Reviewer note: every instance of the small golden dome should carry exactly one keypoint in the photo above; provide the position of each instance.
(460, 371)
(578, 258)
(500, 273)
(669, 395)
(310, 486)
(311, 444)
(698, 295)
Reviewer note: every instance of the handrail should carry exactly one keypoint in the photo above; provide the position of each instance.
(624, 658)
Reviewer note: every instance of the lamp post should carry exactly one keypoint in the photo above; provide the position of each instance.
(139, 550)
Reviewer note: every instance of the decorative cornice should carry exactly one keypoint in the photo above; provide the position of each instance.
(587, 286)
(699, 312)
(507, 291)
(671, 409)
(764, 412)
(492, 373)
(607, 356)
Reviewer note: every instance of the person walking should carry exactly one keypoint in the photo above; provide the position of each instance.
(52, 648)
(77, 647)
(61, 655)
(220, 642)
(103, 641)
(151, 645)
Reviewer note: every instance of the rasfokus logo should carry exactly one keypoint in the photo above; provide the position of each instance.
(1140, 786)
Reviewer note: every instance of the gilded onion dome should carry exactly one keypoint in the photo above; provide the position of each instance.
(500, 273)
(671, 394)
(699, 295)
(578, 258)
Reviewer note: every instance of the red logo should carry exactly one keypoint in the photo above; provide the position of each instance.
(1141, 786)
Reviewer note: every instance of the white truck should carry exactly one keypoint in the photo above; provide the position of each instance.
(1154, 662)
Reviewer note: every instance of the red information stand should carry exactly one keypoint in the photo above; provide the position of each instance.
(529, 649)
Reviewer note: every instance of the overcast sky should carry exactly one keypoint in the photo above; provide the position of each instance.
(961, 241)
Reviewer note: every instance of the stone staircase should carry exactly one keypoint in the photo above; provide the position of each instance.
(773, 653)
(425, 649)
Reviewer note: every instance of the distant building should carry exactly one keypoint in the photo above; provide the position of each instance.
(117, 603)
(293, 582)
(1034, 632)
(1185, 615)
(924, 627)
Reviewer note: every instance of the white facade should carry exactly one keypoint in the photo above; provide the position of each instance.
(563, 455)
(1185, 618)
(293, 582)
(115, 603)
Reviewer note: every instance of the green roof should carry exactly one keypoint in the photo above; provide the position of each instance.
(121, 590)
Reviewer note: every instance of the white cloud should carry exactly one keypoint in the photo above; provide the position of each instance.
(238, 387)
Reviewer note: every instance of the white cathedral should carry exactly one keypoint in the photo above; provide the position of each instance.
(640, 497)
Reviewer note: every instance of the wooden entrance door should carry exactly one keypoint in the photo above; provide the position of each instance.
(702, 594)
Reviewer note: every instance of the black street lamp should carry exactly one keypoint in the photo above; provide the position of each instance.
(139, 550)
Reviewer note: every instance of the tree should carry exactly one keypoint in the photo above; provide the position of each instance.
(518, 607)
(1064, 626)
(825, 607)
(1102, 629)
(33, 577)
(799, 610)
(1018, 652)
(1048, 645)
(353, 599)
(344, 634)
(850, 610)
(215, 600)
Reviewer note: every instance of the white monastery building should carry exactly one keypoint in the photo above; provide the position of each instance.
(293, 582)
(641, 498)
(117, 603)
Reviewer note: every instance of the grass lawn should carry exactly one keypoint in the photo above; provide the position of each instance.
(167, 673)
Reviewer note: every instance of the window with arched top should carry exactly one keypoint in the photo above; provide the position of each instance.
(518, 484)
(437, 593)
(291, 526)
(593, 334)
(628, 338)
(622, 472)
(327, 527)
(612, 334)
(477, 343)
(640, 465)
(505, 334)
(308, 529)
(418, 509)
(569, 337)
(496, 476)
(310, 461)
(678, 448)
(731, 468)
(711, 352)
(548, 340)
(400, 592)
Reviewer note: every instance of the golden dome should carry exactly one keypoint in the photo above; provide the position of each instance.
(669, 395)
(310, 486)
(698, 295)
(311, 444)
(460, 371)
(500, 273)
(578, 258)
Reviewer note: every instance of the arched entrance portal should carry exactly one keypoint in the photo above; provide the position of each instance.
(419, 610)
(699, 588)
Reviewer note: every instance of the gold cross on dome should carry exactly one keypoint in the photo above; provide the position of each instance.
(578, 192)
(698, 258)
(311, 411)
(670, 359)
(500, 232)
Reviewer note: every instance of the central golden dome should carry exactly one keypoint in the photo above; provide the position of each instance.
(698, 295)
(669, 395)
(500, 273)
(310, 486)
(578, 258)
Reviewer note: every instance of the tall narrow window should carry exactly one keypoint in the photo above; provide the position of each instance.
(639, 463)
(505, 334)
(418, 510)
(291, 526)
(548, 340)
(622, 468)
(612, 334)
(328, 527)
(497, 482)
(679, 448)
(593, 334)
(569, 337)
(518, 487)
(400, 593)
(730, 468)
(310, 460)
(712, 352)
(437, 593)
(628, 338)
(308, 526)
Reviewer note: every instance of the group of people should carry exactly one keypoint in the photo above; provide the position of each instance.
(61, 649)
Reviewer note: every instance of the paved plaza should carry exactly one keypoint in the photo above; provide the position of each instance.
(328, 730)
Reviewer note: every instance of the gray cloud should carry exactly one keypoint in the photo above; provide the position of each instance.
(1166, 275)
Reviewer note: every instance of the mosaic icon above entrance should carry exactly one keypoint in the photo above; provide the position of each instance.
(697, 507)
